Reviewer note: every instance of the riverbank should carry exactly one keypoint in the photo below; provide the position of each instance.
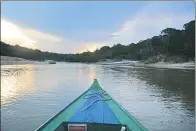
(181, 65)
(161, 64)
(167, 61)
(7, 60)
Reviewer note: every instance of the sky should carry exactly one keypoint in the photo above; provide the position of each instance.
(73, 26)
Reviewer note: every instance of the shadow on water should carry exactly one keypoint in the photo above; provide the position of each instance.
(170, 85)
(173, 85)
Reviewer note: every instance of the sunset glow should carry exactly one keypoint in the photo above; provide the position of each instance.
(13, 35)
(90, 47)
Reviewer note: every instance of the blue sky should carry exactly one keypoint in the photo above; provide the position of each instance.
(70, 27)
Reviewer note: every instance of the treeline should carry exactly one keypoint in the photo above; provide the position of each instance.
(171, 41)
(22, 52)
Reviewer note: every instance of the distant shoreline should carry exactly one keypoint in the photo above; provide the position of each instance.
(167, 65)
(166, 61)
(163, 65)
(7, 60)
(183, 65)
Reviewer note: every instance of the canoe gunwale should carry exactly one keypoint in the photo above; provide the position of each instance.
(126, 112)
(129, 115)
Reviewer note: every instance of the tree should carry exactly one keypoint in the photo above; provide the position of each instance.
(190, 38)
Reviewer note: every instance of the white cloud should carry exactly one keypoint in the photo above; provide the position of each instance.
(14, 34)
(149, 22)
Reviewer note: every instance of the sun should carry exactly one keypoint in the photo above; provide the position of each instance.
(91, 47)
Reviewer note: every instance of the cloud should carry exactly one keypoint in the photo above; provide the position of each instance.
(149, 22)
(14, 34)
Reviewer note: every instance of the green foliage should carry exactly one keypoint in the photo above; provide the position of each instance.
(189, 34)
(170, 41)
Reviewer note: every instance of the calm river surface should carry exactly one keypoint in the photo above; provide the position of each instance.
(161, 99)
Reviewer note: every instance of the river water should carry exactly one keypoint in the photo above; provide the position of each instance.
(160, 99)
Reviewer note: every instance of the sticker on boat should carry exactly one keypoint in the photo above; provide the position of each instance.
(77, 127)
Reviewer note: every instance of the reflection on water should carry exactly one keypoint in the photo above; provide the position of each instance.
(167, 84)
(86, 70)
(15, 82)
(91, 74)
(173, 85)
(161, 99)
